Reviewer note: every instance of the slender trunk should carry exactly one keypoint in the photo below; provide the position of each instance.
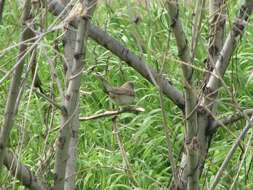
(1, 10)
(71, 102)
(190, 180)
(69, 51)
(10, 110)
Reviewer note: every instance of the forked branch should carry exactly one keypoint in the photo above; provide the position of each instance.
(190, 174)
(229, 46)
(71, 101)
(102, 38)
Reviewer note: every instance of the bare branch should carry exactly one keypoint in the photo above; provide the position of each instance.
(230, 119)
(226, 53)
(196, 28)
(217, 21)
(49, 100)
(243, 159)
(71, 102)
(123, 151)
(111, 113)
(102, 38)
(182, 42)
(55, 76)
(190, 174)
(10, 109)
(1, 10)
(69, 52)
(230, 154)
(22, 172)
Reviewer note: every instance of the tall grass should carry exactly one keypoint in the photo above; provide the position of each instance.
(100, 164)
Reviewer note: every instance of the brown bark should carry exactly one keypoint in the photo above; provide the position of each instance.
(102, 38)
(22, 172)
(70, 120)
(1, 10)
(10, 110)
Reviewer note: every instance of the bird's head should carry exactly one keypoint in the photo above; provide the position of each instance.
(129, 85)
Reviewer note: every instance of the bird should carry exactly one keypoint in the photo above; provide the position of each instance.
(122, 96)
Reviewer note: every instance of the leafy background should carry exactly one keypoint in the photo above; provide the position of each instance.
(100, 164)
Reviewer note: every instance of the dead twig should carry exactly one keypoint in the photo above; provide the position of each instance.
(111, 113)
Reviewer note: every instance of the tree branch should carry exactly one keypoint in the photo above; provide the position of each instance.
(216, 34)
(196, 27)
(71, 102)
(190, 173)
(2, 2)
(49, 100)
(230, 44)
(217, 24)
(123, 151)
(10, 109)
(111, 113)
(102, 38)
(230, 154)
(230, 119)
(22, 172)
(69, 52)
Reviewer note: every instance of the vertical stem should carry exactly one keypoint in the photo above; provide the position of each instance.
(230, 154)
(1, 10)
(10, 109)
(71, 102)
(69, 48)
(198, 16)
(217, 21)
(190, 173)
(123, 150)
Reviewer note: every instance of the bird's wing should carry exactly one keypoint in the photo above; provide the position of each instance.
(122, 91)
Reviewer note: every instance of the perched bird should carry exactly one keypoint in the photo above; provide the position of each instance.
(123, 95)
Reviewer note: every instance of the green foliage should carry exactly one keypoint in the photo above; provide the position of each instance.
(100, 164)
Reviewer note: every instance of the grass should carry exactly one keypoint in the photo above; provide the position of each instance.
(100, 165)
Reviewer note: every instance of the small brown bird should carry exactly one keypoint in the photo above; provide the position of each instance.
(123, 95)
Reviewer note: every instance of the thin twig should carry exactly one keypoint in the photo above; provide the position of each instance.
(230, 119)
(230, 154)
(102, 38)
(242, 160)
(10, 109)
(123, 151)
(196, 28)
(52, 102)
(111, 113)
